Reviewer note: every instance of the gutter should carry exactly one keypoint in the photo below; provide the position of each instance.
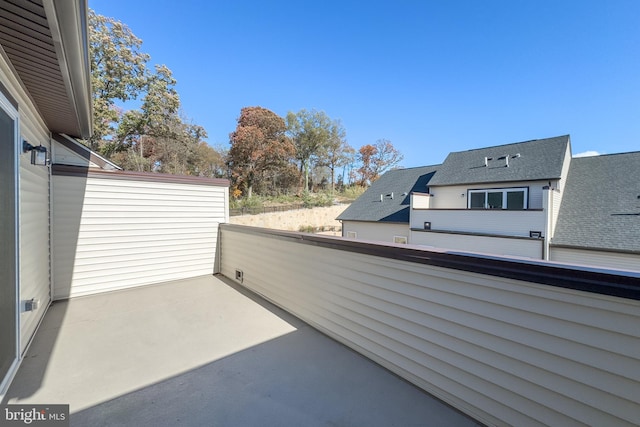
(68, 22)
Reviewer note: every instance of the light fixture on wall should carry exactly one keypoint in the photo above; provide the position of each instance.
(38, 153)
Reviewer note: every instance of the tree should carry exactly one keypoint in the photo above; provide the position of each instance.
(118, 71)
(377, 159)
(309, 131)
(336, 152)
(258, 146)
(154, 137)
(365, 157)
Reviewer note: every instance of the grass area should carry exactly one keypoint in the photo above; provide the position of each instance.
(309, 200)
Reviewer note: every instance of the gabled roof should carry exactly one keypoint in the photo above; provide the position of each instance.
(46, 43)
(538, 159)
(400, 182)
(601, 204)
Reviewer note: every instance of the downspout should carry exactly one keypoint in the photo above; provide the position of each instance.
(547, 208)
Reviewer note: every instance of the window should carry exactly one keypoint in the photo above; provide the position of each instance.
(505, 198)
(351, 235)
(400, 239)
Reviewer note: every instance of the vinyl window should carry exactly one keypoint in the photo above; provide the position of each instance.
(499, 198)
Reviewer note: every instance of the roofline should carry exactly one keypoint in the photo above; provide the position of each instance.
(489, 182)
(624, 153)
(69, 28)
(414, 167)
(512, 143)
(86, 172)
(85, 152)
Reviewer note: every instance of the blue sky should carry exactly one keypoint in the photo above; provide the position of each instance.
(430, 76)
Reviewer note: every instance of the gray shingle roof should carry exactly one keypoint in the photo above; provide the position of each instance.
(601, 203)
(538, 159)
(368, 206)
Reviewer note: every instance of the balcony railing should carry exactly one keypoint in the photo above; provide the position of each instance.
(509, 342)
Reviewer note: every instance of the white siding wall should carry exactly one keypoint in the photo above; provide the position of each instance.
(375, 231)
(112, 234)
(34, 234)
(504, 351)
(469, 243)
(622, 261)
(556, 200)
(33, 210)
(489, 221)
(450, 197)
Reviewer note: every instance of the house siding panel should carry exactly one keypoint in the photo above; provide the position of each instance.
(33, 209)
(489, 221)
(450, 197)
(375, 231)
(590, 258)
(34, 235)
(483, 244)
(504, 351)
(112, 234)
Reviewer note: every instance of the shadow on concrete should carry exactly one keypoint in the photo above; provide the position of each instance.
(285, 373)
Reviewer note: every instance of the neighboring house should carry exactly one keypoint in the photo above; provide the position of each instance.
(72, 222)
(599, 220)
(527, 199)
(382, 212)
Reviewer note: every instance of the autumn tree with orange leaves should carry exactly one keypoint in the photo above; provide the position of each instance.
(259, 147)
(377, 159)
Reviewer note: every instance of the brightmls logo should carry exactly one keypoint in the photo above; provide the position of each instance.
(34, 415)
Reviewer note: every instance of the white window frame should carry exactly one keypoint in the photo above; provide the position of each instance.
(352, 235)
(504, 192)
(398, 240)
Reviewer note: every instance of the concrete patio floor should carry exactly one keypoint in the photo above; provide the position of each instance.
(205, 352)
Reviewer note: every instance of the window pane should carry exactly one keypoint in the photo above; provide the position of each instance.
(494, 200)
(515, 200)
(477, 200)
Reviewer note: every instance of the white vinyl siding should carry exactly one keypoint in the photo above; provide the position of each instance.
(33, 210)
(34, 236)
(112, 234)
(504, 351)
(484, 244)
(593, 258)
(487, 221)
(455, 196)
(375, 231)
(556, 200)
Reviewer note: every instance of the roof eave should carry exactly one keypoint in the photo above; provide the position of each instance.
(68, 23)
(491, 182)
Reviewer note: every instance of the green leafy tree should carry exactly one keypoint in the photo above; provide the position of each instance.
(259, 147)
(154, 137)
(118, 71)
(310, 132)
(336, 152)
